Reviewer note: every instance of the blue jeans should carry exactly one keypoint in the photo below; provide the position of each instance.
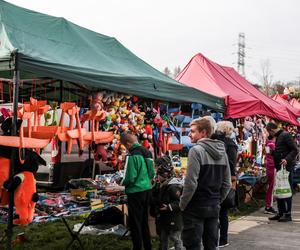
(200, 229)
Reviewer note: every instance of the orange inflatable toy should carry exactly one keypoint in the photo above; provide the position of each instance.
(4, 174)
(24, 187)
(23, 182)
(5, 155)
(25, 197)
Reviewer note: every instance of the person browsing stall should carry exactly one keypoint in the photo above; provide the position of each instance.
(139, 171)
(165, 207)
(224, 130)
(206, 185)
(285, 154)
(271, 172)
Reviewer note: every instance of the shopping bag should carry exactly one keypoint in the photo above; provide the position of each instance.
(282, 187)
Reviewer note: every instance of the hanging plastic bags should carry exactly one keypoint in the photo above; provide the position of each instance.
(282, 187)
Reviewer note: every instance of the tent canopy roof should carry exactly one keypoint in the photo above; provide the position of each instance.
(278, 98)
(54, 47)
(295, 103)
(241, 97)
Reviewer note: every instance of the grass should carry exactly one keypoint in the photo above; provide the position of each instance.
(54, 235)
(245, 209)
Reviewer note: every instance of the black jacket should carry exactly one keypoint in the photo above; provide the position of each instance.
(285, 148)
(169, 194)
(231, 150)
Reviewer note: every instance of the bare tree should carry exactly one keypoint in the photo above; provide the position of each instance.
(266, 76)
(176, 71)
(167, 71)
(278, 87)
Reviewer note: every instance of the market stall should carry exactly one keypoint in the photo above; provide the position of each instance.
(38, 46)
(241, 98)
(247, 107)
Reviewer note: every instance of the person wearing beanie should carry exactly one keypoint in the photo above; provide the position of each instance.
(165, 206)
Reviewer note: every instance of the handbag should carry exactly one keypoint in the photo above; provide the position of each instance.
(230, 200)
(282, 187)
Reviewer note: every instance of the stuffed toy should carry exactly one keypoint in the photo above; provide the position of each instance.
(5, 155)
(24, 185)
(148, 131)
(100, 152)
(148, 135)
(108, 97)
(23, 182)
(96, 101)
(54, 107)
(4, 175)
(248, 127)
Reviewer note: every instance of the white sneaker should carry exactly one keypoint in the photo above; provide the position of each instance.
(225, 244)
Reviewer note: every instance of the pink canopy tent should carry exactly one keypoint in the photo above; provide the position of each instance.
(241, 97)
(295, 103)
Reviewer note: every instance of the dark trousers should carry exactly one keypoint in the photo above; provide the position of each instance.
(197, 230)
(223, 224)
(138, 206)
(285, 205)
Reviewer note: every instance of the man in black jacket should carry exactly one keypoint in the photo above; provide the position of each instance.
(285, 154)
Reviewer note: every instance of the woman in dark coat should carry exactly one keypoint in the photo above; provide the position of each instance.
(224, 130)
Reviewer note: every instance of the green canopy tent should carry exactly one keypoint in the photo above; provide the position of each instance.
(54, 47)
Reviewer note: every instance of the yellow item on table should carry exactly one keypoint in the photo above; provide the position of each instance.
(78, 192)
(96, 204)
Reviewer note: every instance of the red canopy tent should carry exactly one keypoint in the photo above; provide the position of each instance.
(278, 98)
(241, 97)
(295, 103)
(282, 109)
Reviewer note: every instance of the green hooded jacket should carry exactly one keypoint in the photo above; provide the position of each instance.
(139, 170)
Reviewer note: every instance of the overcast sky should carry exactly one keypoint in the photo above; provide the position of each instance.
(169, 32)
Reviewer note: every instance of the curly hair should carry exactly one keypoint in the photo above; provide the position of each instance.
(225, 127)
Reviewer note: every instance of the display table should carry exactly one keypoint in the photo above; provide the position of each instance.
(248, 183)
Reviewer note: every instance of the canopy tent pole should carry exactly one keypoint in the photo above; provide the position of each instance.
(61, 85)
(16, 84)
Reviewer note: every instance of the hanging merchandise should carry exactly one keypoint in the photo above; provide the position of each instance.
(23, 182)
(23, 140)
(39, 109)
(147, 132)
(4, 174)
